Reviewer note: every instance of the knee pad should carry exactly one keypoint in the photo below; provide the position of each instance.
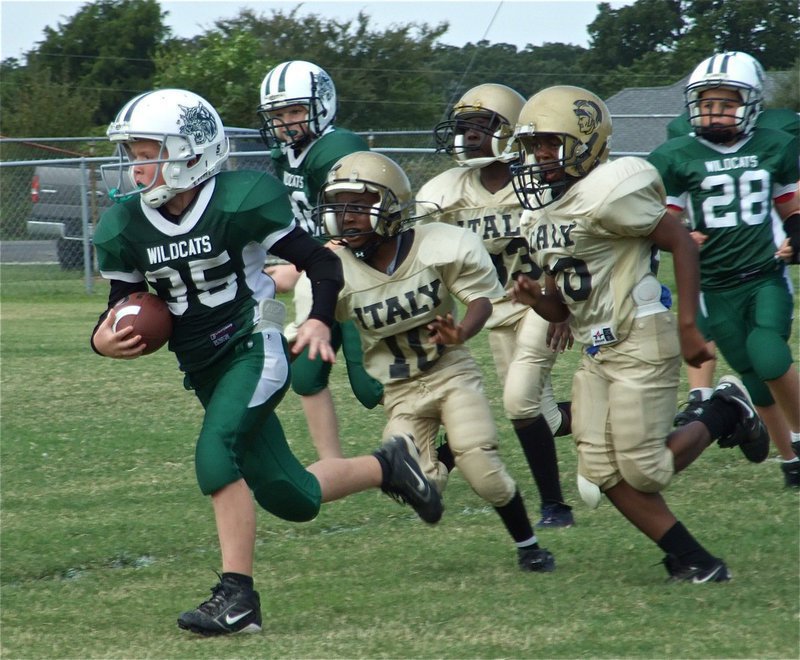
(309, 376)
(769, 354)
(757, 389)
(486, 474)
(288, 502)
(648, 474)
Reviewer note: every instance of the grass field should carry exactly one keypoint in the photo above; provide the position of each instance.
(106, 538)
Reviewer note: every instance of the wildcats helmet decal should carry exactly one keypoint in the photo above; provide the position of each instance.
(324, 86)
(198, 122)
(589, 115)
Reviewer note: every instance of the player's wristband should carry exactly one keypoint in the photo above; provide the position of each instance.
(792, 227)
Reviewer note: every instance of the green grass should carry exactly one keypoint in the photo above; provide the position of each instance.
(106, 538)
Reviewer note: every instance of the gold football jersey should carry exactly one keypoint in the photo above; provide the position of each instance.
(594, 242)
(392, 311)
(495, 219)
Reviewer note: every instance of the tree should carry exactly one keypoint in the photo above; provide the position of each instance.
(383, 78)
(34, 104)
(619, 37)
(767, 30)
(106, 48)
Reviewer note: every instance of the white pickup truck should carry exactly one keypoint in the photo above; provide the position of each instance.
(57, 209)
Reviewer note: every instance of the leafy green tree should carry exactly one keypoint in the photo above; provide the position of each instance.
(226, 73)
(619, 37)
(383, 78)
(33, 103)
(632, 46)
(107, 48)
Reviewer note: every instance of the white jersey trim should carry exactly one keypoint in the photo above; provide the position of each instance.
(188, 221)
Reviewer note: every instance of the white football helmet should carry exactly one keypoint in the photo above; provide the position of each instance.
(734, 70)
(192, 138)
(581, 122)
(497, 103)
(297, 83)
(366, 171)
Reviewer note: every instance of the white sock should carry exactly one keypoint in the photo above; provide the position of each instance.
(705, 392)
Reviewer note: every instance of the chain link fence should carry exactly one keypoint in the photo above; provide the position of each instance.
(52, 195)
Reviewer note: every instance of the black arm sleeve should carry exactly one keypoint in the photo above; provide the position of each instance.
(322, 267)
(118, 291)
(792, 227)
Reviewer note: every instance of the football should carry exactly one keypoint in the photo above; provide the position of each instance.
(149, 316)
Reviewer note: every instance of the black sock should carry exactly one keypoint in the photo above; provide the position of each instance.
(539, 447)
(240, 579)
(385, 469)
(720, 417)
(515, 518)
(445, 456)
(565, 408)
(680, 543)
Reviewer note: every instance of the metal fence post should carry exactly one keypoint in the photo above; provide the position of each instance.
(87, 241)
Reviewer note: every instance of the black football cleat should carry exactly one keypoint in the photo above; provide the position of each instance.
(690, 410)
(791, 474)
(406, 482)
(556, 515)
(231, 609)
(680, 572)
(536, 560)
(750, 434)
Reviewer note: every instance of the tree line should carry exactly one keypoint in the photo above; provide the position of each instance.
(402, 77)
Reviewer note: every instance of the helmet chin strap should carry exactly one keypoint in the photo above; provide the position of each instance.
(718, 135)
(365, 252)
(159, 196)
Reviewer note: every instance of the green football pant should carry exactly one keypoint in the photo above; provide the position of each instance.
(751, 325)
(241, 436)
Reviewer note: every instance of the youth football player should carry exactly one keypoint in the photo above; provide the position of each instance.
(199, 238)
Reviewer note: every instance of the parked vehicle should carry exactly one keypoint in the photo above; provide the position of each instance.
(57, 210)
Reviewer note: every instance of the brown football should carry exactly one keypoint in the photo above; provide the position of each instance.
(149, 316)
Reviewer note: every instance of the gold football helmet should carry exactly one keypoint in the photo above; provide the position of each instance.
(365, 171)
(500, 105)
(581, 122)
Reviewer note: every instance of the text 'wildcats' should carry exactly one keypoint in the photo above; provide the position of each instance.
(732, 163)
(179, 249)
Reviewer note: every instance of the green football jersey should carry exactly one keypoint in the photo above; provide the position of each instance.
(728, 193)
(305, 173)
(780, 119)
(208, 267)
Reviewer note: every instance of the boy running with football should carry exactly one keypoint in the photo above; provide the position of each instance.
(199, 238)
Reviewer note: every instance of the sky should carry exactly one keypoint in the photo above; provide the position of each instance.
(517, 22)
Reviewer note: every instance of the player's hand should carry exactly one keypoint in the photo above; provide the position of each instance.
(121, 344)
(698, 237)
(315, 335)
(525, 290)
(559, 337)
(693, 346)
(785, 252)
(444, 330)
